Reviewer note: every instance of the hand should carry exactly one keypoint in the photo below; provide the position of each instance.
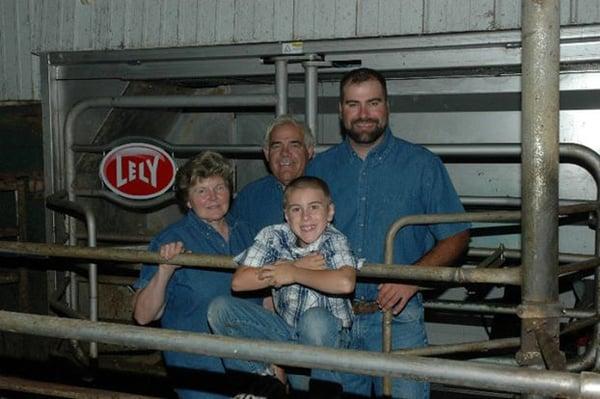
(268, 303)
(168, 252)
(394, 297)
(278, 274)
(314, 261)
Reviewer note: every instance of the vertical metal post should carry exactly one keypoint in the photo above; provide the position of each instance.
(72, 289)
(281, 86)
(386, 331)
(539, 180)
(92, 278)
(310, 95)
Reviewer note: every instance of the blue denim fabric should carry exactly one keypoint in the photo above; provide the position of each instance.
(190, 291)
(396, 179)
(317, 326)
(408, 331)
(260, 203)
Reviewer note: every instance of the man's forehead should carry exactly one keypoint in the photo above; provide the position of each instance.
(374, 88)
(286, 132)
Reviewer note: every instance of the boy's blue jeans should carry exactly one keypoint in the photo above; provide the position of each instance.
(236, 317)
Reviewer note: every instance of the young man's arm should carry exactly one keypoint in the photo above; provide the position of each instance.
(395, 296)
(337, 281)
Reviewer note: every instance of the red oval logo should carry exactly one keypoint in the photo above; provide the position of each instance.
(138, 171)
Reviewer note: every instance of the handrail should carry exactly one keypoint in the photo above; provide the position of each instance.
(460, 373)
(58, 202)
(509, 276)
(497, 216)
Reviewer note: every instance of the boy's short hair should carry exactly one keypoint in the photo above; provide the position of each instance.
(305, 182)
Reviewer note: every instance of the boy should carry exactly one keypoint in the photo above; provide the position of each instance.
(310, 293)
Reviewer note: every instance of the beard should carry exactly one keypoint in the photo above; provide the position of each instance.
(366, 136)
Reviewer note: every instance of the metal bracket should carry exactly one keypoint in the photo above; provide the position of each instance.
(554, 359)
(292, 59)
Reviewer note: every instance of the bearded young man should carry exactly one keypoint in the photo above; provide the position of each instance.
(375, 179)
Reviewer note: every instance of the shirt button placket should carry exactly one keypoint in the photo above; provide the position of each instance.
(362, 207)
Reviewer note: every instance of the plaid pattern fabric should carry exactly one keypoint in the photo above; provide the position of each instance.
(278, 242)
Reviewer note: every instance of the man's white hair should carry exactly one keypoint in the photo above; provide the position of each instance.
(309, 139)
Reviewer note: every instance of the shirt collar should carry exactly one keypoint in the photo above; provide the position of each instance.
(376, 154)
(303, 251)
(276, 182)
(195, 219)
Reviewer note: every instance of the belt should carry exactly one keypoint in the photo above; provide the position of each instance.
(365, 307)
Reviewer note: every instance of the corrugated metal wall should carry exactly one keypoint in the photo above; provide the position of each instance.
(31, 26)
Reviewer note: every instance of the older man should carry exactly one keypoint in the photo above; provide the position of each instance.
(376, 178)
(288, 146)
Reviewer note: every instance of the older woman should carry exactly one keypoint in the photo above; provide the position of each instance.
(179, 296)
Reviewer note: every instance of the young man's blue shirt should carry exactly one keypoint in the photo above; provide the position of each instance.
(259, 203)
(396, 179)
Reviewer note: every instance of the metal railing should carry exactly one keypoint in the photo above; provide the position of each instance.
(510, 276)
(459, 373)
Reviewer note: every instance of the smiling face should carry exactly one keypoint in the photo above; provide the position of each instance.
(286, 153)
(209, 198)
(308, 211)
(364, 112)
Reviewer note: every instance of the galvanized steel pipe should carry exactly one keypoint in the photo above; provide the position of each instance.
(493, 308)
(516, 254)
(57, 200)
(459, 373)
(405, 272)
(479, 346)
(310, 95)
(281, 86)
(52, 389)
(540, 32)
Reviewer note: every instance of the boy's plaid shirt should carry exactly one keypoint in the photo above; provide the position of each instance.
(278, 242)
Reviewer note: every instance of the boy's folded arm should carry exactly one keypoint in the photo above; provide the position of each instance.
(313, 261)
(336, 281)
(246, 278)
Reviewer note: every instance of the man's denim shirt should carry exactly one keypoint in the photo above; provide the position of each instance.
(260, 203)
(396, 179)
